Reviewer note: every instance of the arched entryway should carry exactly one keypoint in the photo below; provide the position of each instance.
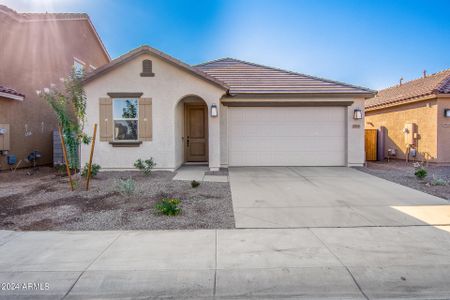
(191, 118)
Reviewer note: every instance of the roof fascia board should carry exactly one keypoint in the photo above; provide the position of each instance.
(443, 96)
(115, 64)
(11, 96)
(286, 103)
(402, 102)
(302, 95)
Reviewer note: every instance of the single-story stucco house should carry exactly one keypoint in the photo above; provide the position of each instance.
(414, 113)
(224, 113)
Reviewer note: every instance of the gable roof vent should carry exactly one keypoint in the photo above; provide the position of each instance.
(147, 68)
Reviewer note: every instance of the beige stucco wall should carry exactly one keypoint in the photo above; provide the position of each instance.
(443, 129)
(169, 85)
(423, 113)
(355, 134)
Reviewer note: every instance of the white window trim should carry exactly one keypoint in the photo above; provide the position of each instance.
(126, 119)
(79, 61)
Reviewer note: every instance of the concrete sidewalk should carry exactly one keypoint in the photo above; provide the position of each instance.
(350, 263)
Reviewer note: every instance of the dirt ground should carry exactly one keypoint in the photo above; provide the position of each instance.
(43, 201)
(403, 173)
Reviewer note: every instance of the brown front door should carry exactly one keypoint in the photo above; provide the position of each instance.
(196, 142)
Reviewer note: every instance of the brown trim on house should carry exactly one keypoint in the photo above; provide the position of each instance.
(147, 74)
(125, 143)
(125, 95)
(302, 95)
(285, 103)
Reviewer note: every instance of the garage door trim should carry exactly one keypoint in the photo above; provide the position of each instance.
(268, 156)
(285, 103)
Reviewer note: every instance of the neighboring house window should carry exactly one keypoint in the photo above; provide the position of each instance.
(78, 67)
(147, 68)
(125, 115)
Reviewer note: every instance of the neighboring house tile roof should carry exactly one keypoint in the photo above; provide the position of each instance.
(149, 50)
(438, 83)
(248, 78)
(10, 93)
(42, 17)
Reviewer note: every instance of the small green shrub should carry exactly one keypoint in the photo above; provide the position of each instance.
(195, 183)
(94, 170)
(60, 169)
(169, 206)
(438, 181)
(421, 173)
(145, 166)
(126, 186)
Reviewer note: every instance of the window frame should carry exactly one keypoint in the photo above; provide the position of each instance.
(125, 119)
(79, 62)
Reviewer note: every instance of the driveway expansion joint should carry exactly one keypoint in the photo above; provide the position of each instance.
(342, 263)
(89, 265)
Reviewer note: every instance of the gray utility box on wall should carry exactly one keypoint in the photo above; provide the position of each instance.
(58, 156)
(4, 137)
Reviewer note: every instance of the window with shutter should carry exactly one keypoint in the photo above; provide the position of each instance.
(106, 119)
(145, 119)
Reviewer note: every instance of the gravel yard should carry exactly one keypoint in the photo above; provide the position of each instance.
(403, 173)
(42, 201)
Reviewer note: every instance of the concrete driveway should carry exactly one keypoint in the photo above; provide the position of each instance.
(295, 197)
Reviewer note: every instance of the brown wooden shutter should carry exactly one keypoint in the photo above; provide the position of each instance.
(106, 120)
(145, 119)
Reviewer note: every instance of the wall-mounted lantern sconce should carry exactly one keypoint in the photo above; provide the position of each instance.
(357, 114)
(214, 112)
(447, 113)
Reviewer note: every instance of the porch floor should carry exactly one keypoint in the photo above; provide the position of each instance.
(196, 172)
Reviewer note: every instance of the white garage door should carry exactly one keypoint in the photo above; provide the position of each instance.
(286, 136)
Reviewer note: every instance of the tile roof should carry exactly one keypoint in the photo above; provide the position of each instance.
(42, 16)
(149, 50)
(438, 83)
(12, 92)
(248, 78)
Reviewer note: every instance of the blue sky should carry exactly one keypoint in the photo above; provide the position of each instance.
(368, 43)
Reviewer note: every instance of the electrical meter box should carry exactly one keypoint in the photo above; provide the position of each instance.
(4, 137)
(410, 132)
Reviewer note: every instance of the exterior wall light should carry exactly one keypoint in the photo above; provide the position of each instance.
(357, 114)
(214, 112)
(447, 113)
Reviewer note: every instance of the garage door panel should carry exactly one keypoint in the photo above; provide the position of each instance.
(287, 130)
(270, 159)
(287, 136)
(250, 114)
(265, 144)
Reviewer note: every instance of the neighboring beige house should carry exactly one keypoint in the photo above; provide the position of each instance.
(222, 113)
(36, 50)
(415, 112)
